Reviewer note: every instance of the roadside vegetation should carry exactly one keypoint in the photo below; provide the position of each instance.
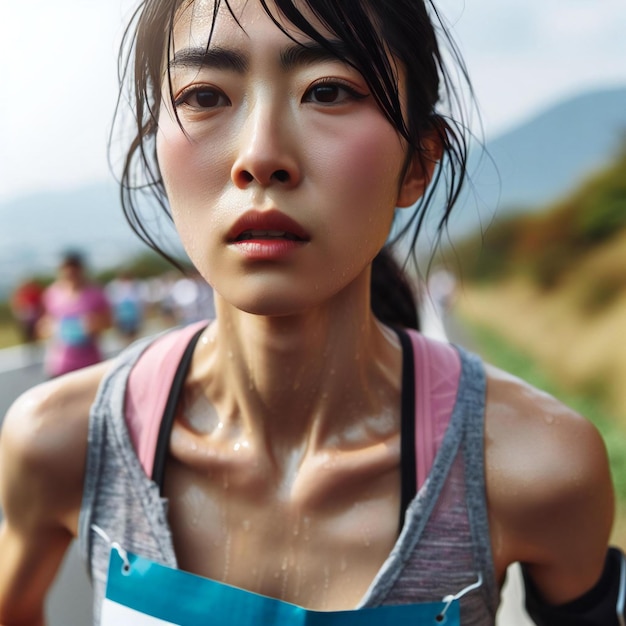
(547, 246)
(8, 330)
(588, 402)
(544, 294)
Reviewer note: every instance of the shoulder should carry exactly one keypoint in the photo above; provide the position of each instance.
(548, 480)
(43, 444)
(524, 424)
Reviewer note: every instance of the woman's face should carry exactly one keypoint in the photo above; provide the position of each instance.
(285, 174)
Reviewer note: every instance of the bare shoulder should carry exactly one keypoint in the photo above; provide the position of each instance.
(43, 445)
(535, 441)
(548, 485)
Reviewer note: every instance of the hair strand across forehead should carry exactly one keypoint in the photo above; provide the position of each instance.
(378, 35)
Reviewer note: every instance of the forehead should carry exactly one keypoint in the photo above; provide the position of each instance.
(198, 21)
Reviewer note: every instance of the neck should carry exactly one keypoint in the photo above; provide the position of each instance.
(301, 381)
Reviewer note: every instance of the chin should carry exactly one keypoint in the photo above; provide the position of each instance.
(270, 303)
(272, 308)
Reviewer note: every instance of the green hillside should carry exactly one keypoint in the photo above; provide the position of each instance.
(546, 246)
(554, 284)
(545, 296)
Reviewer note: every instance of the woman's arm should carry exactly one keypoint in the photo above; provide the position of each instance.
(97, 322)
(549, 489)
(43, 445)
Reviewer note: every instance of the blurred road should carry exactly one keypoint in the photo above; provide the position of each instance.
(70, 600)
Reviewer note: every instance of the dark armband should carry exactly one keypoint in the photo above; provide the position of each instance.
(603, 605)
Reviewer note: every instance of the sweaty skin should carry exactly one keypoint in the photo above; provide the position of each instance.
(547, 486)
(288, 432)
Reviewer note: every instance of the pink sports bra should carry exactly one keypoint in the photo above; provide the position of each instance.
(436, 370)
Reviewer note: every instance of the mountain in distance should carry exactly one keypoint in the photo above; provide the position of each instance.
(35, 230)
(523, 169)
(541, 160)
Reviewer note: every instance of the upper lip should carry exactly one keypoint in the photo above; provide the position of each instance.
(266, 220)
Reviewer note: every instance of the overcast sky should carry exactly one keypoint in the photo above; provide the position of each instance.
(58, 68)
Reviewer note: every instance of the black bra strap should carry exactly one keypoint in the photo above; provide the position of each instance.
(165, 430)
(408, 473)
(407, 436)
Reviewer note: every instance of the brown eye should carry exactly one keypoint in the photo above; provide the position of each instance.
(202, 98)
(332, 93)
(208, 98)
(325, 93)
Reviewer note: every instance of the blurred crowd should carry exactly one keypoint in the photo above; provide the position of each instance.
(73, 314)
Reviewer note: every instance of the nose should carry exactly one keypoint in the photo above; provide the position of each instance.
(266, 150)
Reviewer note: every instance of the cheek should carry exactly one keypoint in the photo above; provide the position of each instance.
(366, 165)
(186, 170)
(186, 164)
(360, 175)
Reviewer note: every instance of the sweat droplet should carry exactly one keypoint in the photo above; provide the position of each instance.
(326, 578)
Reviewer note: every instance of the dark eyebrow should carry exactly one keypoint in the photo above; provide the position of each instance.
(309, 53)
(215, 58)
(291, 57)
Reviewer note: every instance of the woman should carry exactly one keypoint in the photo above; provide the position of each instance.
(308, 451)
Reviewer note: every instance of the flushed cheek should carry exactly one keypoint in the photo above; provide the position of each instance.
(190, 169)
(368, 152)
(361, 175)
(194, 177)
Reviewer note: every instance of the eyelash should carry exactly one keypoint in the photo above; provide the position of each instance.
(338, 83)
(186, 94)
(195, 90)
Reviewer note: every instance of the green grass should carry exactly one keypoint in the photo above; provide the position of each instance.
(8, 334)
(589, 403)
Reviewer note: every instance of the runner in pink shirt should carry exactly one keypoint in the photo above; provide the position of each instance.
(77, 312)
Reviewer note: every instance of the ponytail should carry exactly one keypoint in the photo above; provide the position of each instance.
(392, 299)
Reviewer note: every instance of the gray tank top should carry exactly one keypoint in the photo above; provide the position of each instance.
(443, 548)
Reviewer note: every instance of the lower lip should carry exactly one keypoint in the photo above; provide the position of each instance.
(266, 249)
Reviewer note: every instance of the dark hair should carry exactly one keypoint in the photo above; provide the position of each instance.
(392, 299)
(370, 30)
(72, 258)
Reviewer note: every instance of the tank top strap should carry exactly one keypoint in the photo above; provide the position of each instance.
(437, 369)
(437, 373)
(148, 389)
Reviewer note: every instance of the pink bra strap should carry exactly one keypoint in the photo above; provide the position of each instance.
(148, 388)
(437, 373)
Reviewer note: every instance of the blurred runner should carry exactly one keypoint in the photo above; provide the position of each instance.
(27, 307)
(127, 297)
(77, 311)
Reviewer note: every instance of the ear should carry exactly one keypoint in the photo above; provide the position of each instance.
(420, 170)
